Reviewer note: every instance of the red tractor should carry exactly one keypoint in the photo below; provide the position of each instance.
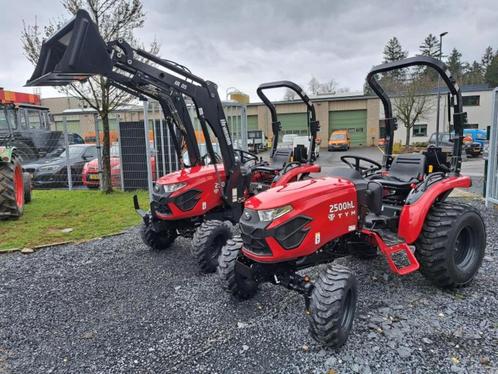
(398, 208)
(208, 193)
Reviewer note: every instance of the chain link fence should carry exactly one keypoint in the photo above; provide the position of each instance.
(142, 147)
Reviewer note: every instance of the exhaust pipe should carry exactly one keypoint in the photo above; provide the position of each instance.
(74, 53)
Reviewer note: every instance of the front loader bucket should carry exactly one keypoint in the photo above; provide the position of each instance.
(75, 52)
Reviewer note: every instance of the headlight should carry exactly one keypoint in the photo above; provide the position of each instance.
(167, 188)
(50, 168)
(272, 214)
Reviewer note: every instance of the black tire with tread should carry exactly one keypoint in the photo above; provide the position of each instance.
(436, 245)
(332, 306)
(207, 242)
(157, 240)
(241, 289)
(8, 204)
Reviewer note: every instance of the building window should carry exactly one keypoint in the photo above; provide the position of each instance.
(419, 130)
(471, 100)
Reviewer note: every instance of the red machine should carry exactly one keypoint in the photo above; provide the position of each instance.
(398, 208)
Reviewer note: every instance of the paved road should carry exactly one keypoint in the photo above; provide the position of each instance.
(473, 167)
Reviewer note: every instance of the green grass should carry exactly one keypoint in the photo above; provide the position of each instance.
(90, 214)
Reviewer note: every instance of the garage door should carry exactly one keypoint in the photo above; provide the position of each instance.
(252, 122)
(355, 121)
(294, 123)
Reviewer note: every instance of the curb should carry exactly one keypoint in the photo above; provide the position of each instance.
(29, 250)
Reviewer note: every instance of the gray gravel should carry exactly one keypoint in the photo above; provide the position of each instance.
(113, 306)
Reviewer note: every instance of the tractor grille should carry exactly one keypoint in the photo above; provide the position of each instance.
(187, 200)
(291, 234)
(254, 240)
(160, 204)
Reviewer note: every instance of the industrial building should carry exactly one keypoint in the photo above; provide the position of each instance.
(361, 115)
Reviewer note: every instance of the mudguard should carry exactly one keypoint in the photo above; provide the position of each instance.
(413, 215)
(292, 174)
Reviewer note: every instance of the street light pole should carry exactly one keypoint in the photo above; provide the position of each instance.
(438, 84)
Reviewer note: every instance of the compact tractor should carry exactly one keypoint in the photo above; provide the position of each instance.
(208, 193)
(398, 208)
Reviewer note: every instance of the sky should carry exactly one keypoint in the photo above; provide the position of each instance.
(244, 43)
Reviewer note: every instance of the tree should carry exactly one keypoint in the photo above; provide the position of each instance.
(487, 57)
(394, 52)
(290, 94)
(430, 46)
(473, 74)
(114, 19)
(455, 64)
(411, 102)
(329, 87)
(314, 86)
(491, 76)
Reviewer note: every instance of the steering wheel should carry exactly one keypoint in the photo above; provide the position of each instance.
(246, 157)
(355, 164)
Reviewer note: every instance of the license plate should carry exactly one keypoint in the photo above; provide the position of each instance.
(94, 177)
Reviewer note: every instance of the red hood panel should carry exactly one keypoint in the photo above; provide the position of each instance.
(185, 175)
(308, 189)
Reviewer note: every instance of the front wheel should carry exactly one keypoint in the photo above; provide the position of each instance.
(157, 239)
(11, 189)
(207, 242)
(451, 246)
(332, 307)
(241, 286)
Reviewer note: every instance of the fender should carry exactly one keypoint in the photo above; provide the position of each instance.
(291, 175)
(413, 216)
(6, 153)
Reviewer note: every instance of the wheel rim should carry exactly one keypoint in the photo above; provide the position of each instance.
(347, 309)
(465, 248)
(19, 186)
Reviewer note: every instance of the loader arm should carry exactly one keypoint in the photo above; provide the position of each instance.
(64, 59)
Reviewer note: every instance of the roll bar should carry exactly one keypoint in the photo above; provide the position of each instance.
(77, 52)
(459, 117)
(313, 124)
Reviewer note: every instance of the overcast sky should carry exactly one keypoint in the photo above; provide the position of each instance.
(244, 43)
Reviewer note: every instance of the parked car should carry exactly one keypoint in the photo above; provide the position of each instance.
(52, 171)
(90, 176)
(339, 140)
(470, 147)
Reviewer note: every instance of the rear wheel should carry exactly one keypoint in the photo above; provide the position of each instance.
(155, 239)
(451, 246)
(207, 242)
(332, 307)
(11, 188)
(241, 286)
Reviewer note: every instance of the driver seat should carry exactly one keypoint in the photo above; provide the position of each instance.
(405, 169)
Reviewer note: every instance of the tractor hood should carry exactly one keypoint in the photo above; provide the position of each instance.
(310, 189)
(188, 174)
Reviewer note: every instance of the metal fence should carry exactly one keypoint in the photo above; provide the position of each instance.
(142, 149)
(492, 156)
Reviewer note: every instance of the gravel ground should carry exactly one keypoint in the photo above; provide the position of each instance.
(112, 306)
